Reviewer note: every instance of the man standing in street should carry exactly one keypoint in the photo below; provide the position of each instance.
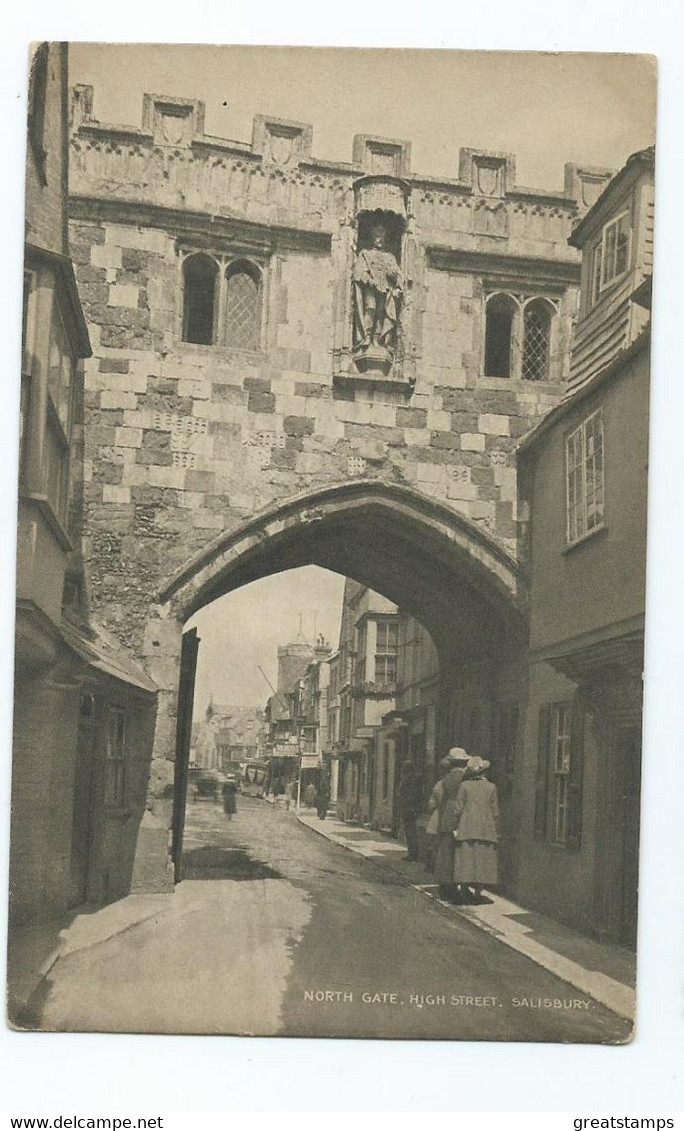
(323, 796)
(411, 805)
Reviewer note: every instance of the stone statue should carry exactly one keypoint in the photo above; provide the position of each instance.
(378, 291)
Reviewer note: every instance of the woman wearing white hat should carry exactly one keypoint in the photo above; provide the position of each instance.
(476, 835)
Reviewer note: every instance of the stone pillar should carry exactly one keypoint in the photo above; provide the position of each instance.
(153, 869)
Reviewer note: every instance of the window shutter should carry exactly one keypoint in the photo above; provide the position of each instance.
(574, 837)
(541, 785)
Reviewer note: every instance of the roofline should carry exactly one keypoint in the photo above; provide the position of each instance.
(644, 158)
(85, 642)
(584, 391)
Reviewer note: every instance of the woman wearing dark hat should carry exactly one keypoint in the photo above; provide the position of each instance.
(476, 812)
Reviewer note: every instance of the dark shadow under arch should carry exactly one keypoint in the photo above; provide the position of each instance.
(431, 561)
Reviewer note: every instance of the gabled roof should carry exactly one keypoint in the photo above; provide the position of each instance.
(642, 159)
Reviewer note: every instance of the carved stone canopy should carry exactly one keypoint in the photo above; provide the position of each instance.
(381, 194)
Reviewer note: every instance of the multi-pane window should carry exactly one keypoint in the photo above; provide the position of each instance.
(558, 783)
(615, 252)
(610, 256)
(518, 333)
(536, 341)
(243, 306)
(221, 304)
(585, 478)
(115, 756)
(386, 650)
(47, 394)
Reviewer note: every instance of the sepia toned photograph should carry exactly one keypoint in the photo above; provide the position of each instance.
(333, 451)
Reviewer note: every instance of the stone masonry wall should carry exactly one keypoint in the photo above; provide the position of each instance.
(185, 441)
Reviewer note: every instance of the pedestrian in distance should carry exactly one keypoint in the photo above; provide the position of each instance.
(410, 805)
(229, 795)
(323, 797)
(290, 794)
(476, 834)
(444, 857)
(310, 795)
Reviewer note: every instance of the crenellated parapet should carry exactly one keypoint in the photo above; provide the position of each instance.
(169, 161)
(266, 323)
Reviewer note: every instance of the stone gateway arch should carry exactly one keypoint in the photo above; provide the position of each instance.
(434, 564)
(235, 423)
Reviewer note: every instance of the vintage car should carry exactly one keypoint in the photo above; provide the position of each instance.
(207, 787)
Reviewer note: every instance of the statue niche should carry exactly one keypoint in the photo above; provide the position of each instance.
(378, 294)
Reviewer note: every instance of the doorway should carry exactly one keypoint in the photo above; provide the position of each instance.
(84, 798)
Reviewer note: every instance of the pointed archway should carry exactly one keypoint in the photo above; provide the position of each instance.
(424, 556)
(434, 563)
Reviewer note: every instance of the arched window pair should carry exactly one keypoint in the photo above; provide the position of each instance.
(221, 307)
(518, 337)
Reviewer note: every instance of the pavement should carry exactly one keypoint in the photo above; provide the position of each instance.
(278, 930)
(604, 971)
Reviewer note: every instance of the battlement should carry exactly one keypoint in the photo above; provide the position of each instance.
(170, 161)
(266, 323)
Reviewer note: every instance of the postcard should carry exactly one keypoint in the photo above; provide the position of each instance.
(331, 542)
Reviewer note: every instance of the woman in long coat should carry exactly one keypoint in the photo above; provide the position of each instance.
(444, 856)
(229, 794)
(476, 812)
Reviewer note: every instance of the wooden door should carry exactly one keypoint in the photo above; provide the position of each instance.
(84, 798)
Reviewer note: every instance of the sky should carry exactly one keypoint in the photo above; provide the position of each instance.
(546, 108)
(241, 632)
